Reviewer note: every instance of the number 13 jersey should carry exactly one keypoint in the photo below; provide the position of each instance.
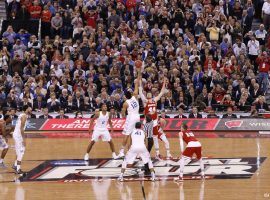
(189, 137)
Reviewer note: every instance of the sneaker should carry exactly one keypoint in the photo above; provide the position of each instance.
(169, 157)
(179, 179)
(120, 179)
(86, 157)
(2, 165)
(158, 157)
(114, 156)
(153, 178)
(19, 171)
(203, 177)
(121, 155)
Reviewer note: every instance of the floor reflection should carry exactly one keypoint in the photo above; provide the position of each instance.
(101, 188)
(182, 193)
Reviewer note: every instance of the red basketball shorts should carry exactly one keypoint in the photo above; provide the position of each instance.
(189, 151)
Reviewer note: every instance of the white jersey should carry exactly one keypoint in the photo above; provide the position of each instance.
(17, 130)
(133, 106)
(137, 138)
(102, 120)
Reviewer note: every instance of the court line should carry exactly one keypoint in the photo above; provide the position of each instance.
(143, 191)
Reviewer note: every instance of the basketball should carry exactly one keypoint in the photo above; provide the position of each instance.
(138, 64)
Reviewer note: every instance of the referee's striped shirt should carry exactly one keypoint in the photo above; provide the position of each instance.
(148, 128)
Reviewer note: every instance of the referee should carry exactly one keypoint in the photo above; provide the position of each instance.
(148, 128)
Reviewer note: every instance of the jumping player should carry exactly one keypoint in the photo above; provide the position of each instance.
(193, 146)
(19, 138)
(150, 107)
(137, 149)
(131, 106)
(102, 117)
(3, 140)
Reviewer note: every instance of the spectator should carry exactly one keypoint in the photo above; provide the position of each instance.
(45, 21)
(212, 114)
(39, 104)
(56, 24)
(10, 35)
(180, 115)
(61, 114)
(114, 113)
(23, 13)
(266, 14)
(194, 113)
(260, 104)
(229, 113)
(35, 10)
(78, 115)
(45, 114)
(31, 115)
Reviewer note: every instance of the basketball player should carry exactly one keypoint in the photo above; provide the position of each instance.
(3, 140)
(137, 149)
(193, 146)
(102, 117)
(150, 107)
(131, 106)
(19, 138)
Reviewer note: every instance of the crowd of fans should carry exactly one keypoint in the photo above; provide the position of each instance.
(212, 55)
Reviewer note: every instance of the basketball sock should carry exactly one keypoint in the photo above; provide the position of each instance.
(121, 175)
(18, 167)
(15, 163)
(168, 152)
(156, 145)
(153, 175)
(183, 161)
(202, 167)
(1, 160)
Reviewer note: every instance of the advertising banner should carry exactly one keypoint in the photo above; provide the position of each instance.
(171, 125)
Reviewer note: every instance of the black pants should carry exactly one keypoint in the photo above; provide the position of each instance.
(150, 143)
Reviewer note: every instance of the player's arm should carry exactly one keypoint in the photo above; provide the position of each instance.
(181, 142)
(3, 129)
(143, 98)
(136, 89)
(23, 122)
(124, 110)
(92, 121)
(110, 122)
(162, 91)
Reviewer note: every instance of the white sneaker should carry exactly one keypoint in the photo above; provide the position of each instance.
(179, 179)
(153, 178)
(121, 155)
(115, 156)
(169, 157)
(86, 157)
(203, 177)
(120, 179)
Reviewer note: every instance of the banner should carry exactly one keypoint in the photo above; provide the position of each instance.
(118, 124)
(172, 125)
(244, 125)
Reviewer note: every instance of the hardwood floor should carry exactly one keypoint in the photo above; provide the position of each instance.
(39, 150)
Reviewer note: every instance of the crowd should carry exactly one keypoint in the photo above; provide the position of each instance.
(209, 50)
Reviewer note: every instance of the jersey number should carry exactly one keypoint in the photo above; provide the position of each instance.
(152, 109)
(137, 133)
(103, 122)
(134, 104)
(190, 134)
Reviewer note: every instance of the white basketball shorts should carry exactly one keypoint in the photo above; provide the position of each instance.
(101, 133)
(129, 125)
(137, 152)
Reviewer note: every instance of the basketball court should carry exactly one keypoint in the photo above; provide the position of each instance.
(236, 168)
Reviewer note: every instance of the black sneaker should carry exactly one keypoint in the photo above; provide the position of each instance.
(19, 171)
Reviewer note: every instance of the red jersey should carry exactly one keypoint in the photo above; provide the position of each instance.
(151, 108)
(189, 137)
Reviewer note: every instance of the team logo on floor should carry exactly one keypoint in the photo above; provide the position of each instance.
(82, 171)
